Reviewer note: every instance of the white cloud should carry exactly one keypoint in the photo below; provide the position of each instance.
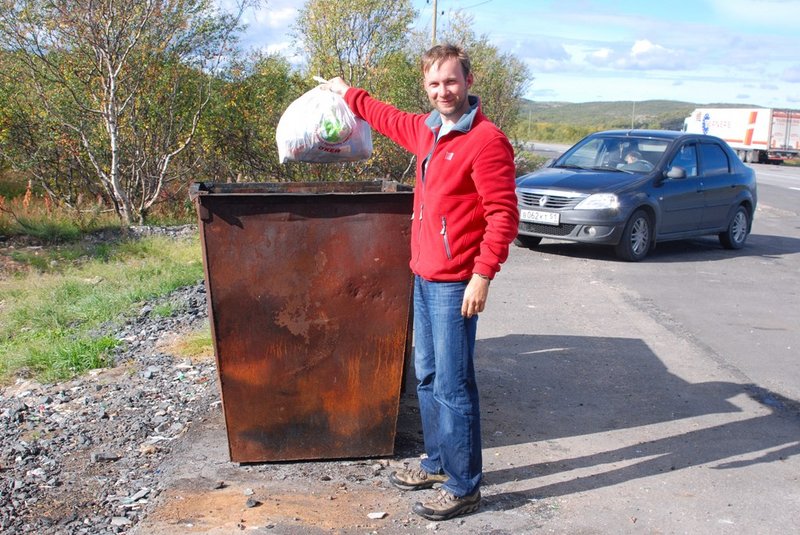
(643, 55)
(542, 55)
(602, 56)
(276, 18)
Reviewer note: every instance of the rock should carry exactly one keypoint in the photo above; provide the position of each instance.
(378, 515)
(138, 495)
(100, 457)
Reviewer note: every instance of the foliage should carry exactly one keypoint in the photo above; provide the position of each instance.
(666, 114)
(527, 162)
(351, 38)
(238, 136)
(565, 122)
(133, 140)
(50, 323)
(364, 42)
(792, 162)
(34, 214)
(111, 91)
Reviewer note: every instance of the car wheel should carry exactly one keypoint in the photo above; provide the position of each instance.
(637, 238)
(736, 233)
(527, 241)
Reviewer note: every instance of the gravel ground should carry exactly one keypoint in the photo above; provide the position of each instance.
(84, 456)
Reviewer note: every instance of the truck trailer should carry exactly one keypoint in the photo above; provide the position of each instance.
(758, 135)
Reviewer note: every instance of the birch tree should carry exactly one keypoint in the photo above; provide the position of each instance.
(99, 68)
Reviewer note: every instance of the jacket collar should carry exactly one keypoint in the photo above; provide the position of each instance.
(434, 120)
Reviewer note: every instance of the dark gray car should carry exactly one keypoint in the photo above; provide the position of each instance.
(633, 188)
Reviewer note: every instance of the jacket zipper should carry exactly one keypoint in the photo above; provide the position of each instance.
(444, 238)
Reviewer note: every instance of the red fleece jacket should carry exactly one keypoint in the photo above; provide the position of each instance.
(465, 207)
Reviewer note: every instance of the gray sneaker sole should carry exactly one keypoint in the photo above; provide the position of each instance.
(422, 511)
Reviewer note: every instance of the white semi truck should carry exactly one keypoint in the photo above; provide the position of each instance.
(758, 135)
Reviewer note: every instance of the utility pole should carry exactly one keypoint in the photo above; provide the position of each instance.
(433, 32)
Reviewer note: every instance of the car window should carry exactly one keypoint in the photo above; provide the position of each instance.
(715, 161)
(609, 152)
(687, 159)
(586, 155)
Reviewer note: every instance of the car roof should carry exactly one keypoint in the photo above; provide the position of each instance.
(653, 134)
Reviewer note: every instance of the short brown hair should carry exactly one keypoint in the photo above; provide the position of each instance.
(440, 53)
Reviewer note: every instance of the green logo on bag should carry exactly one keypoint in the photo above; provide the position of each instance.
(331, 130)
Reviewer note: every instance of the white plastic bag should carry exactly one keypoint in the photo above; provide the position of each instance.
(319, 127)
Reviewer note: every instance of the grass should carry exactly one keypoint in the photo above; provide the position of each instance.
(794, 162)
(52, 318)
(34, 215)
(195, 345)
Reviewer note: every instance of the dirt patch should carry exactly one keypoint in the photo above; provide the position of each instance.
(193, 507)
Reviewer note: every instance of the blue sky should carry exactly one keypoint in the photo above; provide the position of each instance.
(703, 51)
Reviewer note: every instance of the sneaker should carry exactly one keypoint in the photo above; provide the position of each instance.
(445, 505)
(415, 479)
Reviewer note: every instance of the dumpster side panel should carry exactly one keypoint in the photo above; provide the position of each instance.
(310, 303)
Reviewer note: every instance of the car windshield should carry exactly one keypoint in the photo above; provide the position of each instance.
(625, 154)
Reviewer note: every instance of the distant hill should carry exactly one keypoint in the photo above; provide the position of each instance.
(567, 122)
(666, 114)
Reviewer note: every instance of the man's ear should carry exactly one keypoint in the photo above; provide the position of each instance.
(470, 79)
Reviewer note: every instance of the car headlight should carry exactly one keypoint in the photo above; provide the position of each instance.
(599, 201)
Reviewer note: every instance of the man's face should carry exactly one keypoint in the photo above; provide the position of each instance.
(447, 89)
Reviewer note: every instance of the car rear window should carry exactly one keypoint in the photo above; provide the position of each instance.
(714, 159)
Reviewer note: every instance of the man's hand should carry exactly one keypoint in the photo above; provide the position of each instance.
(336, 85)
(475, 296)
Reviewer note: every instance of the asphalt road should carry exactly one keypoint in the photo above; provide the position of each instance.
(664, 395)
(743, 305)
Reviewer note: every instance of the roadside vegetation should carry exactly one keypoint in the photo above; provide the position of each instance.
(564, 122)
(57, 316)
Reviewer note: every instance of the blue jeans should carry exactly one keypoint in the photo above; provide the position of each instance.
(444, 346)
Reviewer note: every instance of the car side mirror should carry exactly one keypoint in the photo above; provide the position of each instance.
(676, 172)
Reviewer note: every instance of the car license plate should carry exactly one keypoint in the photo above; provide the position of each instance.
(535, 216)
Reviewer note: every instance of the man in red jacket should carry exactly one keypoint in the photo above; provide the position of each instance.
(465, 216)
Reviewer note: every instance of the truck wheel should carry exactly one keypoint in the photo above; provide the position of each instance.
(637, 238)
(735, 235)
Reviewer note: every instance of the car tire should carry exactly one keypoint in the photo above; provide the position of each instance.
(637, 238)
(738, 229)
(529, 242)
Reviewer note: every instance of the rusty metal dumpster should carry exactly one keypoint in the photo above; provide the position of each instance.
(309, 302)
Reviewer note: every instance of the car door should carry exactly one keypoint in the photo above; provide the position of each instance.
(718, 185)
(681, 199)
